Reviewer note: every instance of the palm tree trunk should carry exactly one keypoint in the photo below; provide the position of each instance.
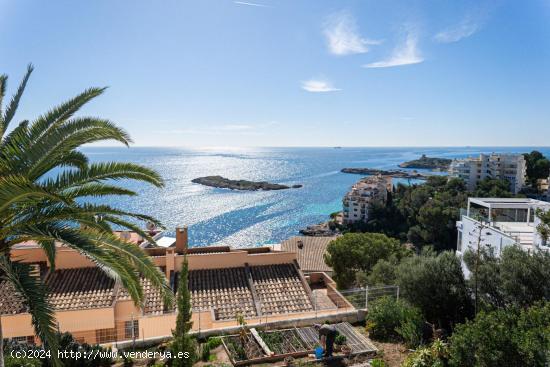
(1, 345)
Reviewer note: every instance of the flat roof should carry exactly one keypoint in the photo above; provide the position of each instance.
(512, 203)
(165, 241)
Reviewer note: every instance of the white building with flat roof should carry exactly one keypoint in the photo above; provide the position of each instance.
(367, 190)
(509, 167)
(495, 223)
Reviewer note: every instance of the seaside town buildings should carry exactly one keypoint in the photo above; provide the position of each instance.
(264, 285)
(368, 190)
(495, 223)
(509, 167)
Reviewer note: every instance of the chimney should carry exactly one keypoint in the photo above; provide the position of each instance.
(181, 240)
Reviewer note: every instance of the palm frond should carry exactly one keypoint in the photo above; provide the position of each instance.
(15, 188)
(34, 294)
(62, 112)
(3, 86)
(11, 108)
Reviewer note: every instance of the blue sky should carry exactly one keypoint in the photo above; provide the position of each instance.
(291, 73)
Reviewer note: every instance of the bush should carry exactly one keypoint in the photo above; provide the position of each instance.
(66, 343)
(340, 339)
(205, 352)
(377, 363)
(21, 362)
(214, 342)
(511, 337)
(435, 355)
(394, 320)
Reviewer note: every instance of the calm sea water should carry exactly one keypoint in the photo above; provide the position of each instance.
(244, 218)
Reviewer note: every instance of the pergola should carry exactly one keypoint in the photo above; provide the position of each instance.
(503, 203)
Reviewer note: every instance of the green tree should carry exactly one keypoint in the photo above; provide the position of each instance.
(538, 166)
(502, 338)
(493, 188)
(183, 342)
(45, 184)
(383, 273)
(516, 278)
(354, 252)
(436, 285)
(543, 228)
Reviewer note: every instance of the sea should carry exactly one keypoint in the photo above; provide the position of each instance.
(255, 218)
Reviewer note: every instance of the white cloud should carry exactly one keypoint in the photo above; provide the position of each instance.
(318, 86)
(250, 4)
(464, 29)
(343, 36)
(405, 54)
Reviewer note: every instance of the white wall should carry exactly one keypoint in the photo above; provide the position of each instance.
(491, 237)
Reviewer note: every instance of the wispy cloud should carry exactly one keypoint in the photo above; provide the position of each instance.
(404, 54)
(318, 86)
(250, 4)
(466, 28)
(343, 36)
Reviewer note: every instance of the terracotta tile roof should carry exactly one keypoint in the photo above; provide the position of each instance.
(310, 256)
(225, 291)
(10, 302)
(280, 289)
(68, 289)
(80, 288)
(153, 302)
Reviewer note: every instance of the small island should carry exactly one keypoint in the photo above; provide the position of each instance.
(425, 162)
(226, 183)
(392, 173)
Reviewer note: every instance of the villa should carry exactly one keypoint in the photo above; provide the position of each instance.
(499, 222)
(264, 285)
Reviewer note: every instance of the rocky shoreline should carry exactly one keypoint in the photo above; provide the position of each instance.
(330, 228)
(392, 173)
(425, 162)
(226, 183)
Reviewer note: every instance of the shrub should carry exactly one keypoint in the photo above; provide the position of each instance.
(340, 339)
(214, 342)
(21, 362)
(511, 337)
(205, 352)
(377, 363)
(435, 355)
(394, 320)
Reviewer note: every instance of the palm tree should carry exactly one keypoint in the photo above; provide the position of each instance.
(45, 181)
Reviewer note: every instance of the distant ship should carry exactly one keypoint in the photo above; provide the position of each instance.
(337, 147)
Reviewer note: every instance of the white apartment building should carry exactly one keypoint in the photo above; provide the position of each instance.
(356, 202)
(509, 167)
(495, 223)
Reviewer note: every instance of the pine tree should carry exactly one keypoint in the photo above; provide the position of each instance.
(183, 342)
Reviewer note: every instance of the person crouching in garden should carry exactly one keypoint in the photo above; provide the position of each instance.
(327, 336)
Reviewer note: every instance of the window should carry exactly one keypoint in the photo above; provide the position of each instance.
(131, 329)
(105, 335)
(459, 242)
(24, 339)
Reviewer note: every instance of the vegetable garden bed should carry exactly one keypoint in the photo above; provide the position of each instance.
(287, 343)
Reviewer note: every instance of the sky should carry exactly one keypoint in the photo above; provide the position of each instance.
(230, 73)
